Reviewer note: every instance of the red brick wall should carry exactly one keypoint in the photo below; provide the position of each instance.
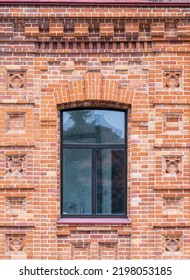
(130, 57)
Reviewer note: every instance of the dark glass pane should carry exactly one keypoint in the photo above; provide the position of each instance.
(93, 126)
(77, 181)
(110, 192)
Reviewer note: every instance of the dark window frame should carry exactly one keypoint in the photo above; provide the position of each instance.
(94, 147)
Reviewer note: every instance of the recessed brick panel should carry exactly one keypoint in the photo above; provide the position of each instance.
(15, 122)
(94, 245)
(16, 204)
(172, 123)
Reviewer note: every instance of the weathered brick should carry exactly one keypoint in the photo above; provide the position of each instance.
(127, 58)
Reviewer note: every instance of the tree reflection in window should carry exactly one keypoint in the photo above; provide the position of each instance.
(93, 164)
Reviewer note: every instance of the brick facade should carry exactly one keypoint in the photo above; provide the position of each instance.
(133, 56)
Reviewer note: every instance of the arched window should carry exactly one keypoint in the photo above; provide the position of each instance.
(93, 146)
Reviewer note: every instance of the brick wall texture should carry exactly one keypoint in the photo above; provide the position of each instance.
(55, 57)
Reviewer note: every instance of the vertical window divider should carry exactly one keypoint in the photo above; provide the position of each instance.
(94, 172)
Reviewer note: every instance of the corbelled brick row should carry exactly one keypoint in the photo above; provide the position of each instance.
(126, 57)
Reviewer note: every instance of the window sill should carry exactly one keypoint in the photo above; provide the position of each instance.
(94, 221)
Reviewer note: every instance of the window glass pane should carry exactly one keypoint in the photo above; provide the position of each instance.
(93, 126)
(110, 190)
(77, 181)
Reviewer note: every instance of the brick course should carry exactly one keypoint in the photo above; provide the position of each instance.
(131, 57)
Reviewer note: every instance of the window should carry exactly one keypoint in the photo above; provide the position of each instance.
(93, 162)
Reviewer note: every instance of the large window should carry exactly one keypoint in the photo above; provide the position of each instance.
(93, 162)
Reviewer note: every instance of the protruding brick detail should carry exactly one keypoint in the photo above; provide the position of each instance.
(172, 244)
(108, 250)
(16, 79)
(158, 29)
(132, 29)
(81, 29)
(93, 66)
(16, 164)
(56, 29)
(80, 250)
(183, 29)
(6, 29)
(16, 246)
(106, 29)
(94, 244)
(173, 164)
(31, 29)
(67, 66)
(172, 79)
(15, 243)
(127, 58)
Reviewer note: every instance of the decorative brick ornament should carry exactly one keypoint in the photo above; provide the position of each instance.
(15, 164)
(129, 57)
(16, 79)
(172, 79)
(172, 244)
(173, 164)
(15, 244)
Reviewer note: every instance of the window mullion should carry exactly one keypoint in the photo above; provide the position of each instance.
(94, 172)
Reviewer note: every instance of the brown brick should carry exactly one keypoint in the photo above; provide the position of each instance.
(81, 29)
(31, 30)
(106, 29)
(56, 29)
(111, 57)
(158, 29)
(132, 29)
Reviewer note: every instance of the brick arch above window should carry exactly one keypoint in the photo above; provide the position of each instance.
(99, 104)
(92, 88)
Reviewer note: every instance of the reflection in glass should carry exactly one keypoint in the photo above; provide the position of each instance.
(77, 181)
(110, 181)
(93, 126)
